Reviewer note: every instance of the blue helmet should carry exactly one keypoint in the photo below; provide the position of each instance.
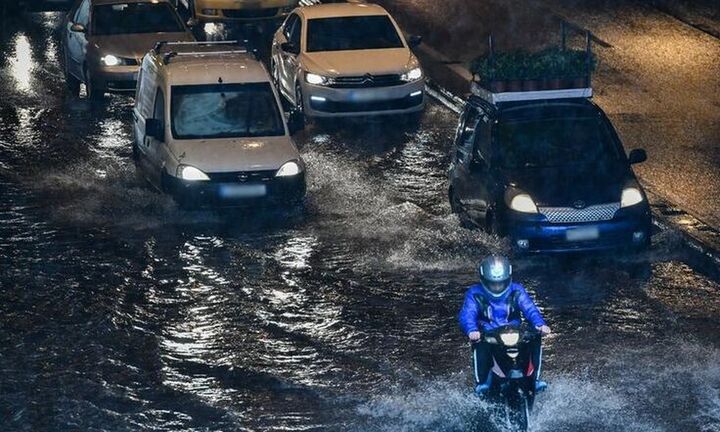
(496, 274)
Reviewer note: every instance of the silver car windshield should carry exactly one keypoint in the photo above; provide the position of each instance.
(352, 33)
(225, 111)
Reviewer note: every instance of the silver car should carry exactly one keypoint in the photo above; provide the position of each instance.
(105, 40)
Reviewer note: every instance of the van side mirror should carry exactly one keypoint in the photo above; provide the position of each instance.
(77, 28)
(296, 122)
(154, 128)
(637, 156)
(414, 40)
(290, 47)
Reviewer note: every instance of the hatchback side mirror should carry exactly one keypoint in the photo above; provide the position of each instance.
(414, 40)
(290, 48)
(637, 156)
(77, 28)
(154, 128)
(296, 122)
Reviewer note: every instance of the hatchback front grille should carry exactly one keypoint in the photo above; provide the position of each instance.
(593, 213)
(367, 81)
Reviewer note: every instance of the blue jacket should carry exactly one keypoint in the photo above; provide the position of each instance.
(482, 309)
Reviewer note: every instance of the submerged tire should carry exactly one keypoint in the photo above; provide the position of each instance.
(519, 414)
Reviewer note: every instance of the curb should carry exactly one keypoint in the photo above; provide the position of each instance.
(699, 236)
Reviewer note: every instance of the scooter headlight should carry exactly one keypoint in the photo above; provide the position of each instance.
(510, 338)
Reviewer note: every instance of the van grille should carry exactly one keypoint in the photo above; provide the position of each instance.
(243, 176)
(594, 213)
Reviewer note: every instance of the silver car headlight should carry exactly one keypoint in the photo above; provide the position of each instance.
(630, 197)
(316, 79)
(187, 172)
(289, 169)
(412, 75)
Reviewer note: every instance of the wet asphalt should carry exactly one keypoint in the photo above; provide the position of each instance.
(119, 311)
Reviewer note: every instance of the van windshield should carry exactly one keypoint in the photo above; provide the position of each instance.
(134, 18)
(554, 142)
(225, 111)
(352, 33)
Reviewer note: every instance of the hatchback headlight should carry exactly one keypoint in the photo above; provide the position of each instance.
(412, 75)
(289, 169)
(630, 197)
(111, 60)
(523, 203)
(510, 338)
(187, 172)
(316, 79)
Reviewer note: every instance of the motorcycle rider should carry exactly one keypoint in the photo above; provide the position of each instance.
(497, 301)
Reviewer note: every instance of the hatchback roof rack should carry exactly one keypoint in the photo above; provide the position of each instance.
(169, 50)
(533, 95)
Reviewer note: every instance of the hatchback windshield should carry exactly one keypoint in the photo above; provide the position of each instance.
(128, 18)
(554, 142)
(225, 111)
(352, 33)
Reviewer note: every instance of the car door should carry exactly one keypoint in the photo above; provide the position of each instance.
(288, 60)
(77, 40)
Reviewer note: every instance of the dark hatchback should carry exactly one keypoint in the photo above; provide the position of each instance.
(550, 174)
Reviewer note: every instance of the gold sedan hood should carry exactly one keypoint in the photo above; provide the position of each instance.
(135, 46)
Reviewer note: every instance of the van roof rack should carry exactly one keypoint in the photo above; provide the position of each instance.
(495, 90)
(169, 50)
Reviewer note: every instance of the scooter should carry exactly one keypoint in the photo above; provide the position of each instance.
(514, 374)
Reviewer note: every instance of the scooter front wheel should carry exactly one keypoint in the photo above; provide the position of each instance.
(518, 413)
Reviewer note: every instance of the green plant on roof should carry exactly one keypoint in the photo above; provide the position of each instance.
(549, 63)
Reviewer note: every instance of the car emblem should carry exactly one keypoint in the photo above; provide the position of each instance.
(368, 78)
(243, 177)
(579, 204)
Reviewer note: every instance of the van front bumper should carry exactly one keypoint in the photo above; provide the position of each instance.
(631, 228)
(325, 101)
(238, 190)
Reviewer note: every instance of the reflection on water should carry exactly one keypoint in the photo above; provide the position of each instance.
(22, 63)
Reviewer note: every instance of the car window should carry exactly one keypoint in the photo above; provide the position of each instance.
(82, 15)
(289, 25)
(352, 33)
(295, 33)
(159, 110)
(225, 111)
(553, 142)
(467, 130)
(133, 18)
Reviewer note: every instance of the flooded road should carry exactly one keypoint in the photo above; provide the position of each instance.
(118, 311)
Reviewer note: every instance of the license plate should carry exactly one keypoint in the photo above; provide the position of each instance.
(232, 191)
(582, 234)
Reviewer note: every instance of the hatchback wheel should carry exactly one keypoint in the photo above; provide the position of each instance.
(93, 92)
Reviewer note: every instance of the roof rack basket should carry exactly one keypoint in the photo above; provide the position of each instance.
(496, 89)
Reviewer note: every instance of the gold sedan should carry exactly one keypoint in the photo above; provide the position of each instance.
(238, 10)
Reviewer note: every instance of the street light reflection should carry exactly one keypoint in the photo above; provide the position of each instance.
(22, 63)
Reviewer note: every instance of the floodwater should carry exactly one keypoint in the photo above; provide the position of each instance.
(119, 311)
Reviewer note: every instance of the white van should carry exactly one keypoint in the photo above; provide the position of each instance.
(210, 129)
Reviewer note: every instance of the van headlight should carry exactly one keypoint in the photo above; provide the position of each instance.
(187, 172)
(510, 338)
(523, 203)
(316, 79)
(630, 197)
(289, 169)
(412, 75)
